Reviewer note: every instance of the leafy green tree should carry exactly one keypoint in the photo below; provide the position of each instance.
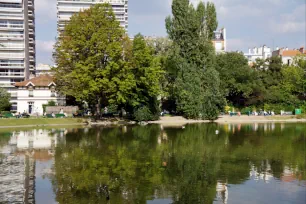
(97, 62)
(239, 81)
(147, 72)
(5, 98)
(91, 59)
(192, 60)
(293, 80)
(211, 18)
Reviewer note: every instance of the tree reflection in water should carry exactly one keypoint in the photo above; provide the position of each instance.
(191, 165)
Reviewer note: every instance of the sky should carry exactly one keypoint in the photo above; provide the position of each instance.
(249, 23)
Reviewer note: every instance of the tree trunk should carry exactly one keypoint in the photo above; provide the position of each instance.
(98, 108)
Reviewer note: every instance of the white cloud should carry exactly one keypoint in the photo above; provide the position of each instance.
(45, 46)
(45, 10)
(239, 44)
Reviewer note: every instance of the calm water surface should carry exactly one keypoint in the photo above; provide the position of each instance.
(257, 163)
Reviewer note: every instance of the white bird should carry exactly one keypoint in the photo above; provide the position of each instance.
(217, 132)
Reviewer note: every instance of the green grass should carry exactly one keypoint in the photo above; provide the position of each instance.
(39, 121)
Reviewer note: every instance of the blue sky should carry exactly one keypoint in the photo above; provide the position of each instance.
(249, 23)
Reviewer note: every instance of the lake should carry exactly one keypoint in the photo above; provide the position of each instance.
(154, 164)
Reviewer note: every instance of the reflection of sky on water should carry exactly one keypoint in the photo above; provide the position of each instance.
(260, 192)
(44, 191)
(160, 201)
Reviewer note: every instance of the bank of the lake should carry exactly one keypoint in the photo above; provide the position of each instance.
(178, 120)
(166, 120)
(30, 122)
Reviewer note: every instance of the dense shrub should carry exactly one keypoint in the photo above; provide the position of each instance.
(144, 114)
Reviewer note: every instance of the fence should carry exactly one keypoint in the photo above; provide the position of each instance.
(66, 109)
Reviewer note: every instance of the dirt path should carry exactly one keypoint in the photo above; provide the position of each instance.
(178, 120)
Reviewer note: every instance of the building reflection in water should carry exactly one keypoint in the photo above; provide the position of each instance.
(222, 192)
(34, 147)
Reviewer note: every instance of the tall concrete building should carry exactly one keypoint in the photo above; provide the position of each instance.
(17, 41)
(66, 8)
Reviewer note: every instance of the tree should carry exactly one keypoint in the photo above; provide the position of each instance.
(239, 82)
(5, 98)
(98, 63)
(91, 58)
(147, 72)
(192, 61)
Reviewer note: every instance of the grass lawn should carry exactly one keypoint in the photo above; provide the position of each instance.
(39, 121)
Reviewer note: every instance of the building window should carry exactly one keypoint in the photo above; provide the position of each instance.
(31, 94)
(52, 91)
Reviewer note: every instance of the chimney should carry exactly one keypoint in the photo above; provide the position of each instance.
(301, 49)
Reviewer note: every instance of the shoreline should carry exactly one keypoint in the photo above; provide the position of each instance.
(177, 120)
(172, 121)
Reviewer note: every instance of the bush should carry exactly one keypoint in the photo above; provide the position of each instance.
(144, 114)
(112, 108)
(5, 112)
(246, 110)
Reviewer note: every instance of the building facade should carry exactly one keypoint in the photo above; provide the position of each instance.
(219, 41)
(66, 8)
(42, 69)
(287, 55)
(17, 41)
(262, 53)
(32, 94)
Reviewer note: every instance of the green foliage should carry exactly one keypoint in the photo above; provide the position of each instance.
(238, 80)
(112, 108)
(143, 114)
(192, 60)
(97, 62)
(147, 72)
(5, 98)
(50, 103)
(91, 58)
(266, 82)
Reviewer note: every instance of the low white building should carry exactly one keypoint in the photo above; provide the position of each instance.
(32, 94)
(287, 55)
(262, 53)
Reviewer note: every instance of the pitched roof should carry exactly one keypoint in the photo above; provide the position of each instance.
(290, 53)
(42, 80)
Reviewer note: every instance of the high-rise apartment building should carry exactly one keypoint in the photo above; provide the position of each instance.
(17, 41)
(66, 8)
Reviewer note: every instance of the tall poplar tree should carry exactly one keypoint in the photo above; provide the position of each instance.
(196, 80)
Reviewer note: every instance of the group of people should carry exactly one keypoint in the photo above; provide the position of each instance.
(255, 113)
(264, 113)
(61, 112)
(21, 115)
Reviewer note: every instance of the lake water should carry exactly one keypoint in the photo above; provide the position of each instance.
(201, 163)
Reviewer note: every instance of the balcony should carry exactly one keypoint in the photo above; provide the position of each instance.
(12, 66)
(11, 47)
(12, 17)
(11, 74)
(12, 55)
(11, 36)
(12, 26)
